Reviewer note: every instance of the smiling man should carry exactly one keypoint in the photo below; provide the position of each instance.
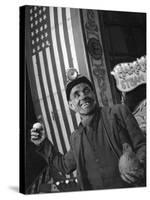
(81, 97)
(98, 144)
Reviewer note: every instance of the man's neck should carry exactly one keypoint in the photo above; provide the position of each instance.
(86, 119)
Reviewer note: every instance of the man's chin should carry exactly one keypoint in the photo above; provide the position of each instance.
(88, 111)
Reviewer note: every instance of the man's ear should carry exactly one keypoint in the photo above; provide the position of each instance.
(71, 106)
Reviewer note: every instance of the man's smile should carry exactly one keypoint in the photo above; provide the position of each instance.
(86, 103)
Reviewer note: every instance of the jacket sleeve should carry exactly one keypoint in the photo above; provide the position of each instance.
(64, 163)
(136, 136)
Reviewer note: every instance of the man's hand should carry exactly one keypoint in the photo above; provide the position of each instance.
(135, 176)
(131, 169)
(38, 134)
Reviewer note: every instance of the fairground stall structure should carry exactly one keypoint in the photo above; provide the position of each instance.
(94, 43)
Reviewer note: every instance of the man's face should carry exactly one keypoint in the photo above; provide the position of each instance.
(82, 99)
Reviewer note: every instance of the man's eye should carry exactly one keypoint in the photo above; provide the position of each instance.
(86, 90)
(76, 95)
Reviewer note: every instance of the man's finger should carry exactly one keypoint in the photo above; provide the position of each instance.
(34, 138)
(129, 178)
(33, 130)
(125, 179)
(136, 173)
(35, 134)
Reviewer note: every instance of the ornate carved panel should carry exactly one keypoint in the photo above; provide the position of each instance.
(96, 57)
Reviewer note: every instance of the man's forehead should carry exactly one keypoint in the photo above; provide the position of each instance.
(79, 86)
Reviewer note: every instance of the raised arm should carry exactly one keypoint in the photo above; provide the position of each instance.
(64, 163)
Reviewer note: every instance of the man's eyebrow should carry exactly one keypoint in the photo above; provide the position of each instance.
(76, 91)
(86, 87)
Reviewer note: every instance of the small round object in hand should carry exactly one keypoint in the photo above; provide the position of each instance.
(37, 126)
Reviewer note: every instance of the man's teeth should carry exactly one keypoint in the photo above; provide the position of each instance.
(85, 105)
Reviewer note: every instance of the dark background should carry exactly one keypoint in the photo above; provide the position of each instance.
(124, 40)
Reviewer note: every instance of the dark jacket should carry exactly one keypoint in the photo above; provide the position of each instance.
(120, 126)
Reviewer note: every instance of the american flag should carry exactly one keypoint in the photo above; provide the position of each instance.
(54, 43)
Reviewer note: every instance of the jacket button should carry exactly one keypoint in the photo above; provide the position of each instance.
(97, 160)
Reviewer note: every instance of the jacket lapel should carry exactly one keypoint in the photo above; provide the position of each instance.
(77, 141)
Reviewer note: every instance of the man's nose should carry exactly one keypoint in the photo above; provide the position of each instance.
(82, 95)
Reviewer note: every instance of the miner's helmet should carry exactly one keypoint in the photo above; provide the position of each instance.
(74, 78)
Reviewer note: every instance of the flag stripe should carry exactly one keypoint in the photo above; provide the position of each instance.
(72, 47)
(61, 42)
(60, 82)
(57, 60)
(70, 60)
(49, 109)
(41, 97)
(71, 39)
(54, 89)
(50, 77)
(44, 98)
(52, 66)
(67, 114)
(64, 40)
(48, 100)
(63, 137)
(61, 46)
(65, 131)
(62, 50)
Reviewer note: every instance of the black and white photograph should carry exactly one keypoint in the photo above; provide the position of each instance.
(82, 99)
